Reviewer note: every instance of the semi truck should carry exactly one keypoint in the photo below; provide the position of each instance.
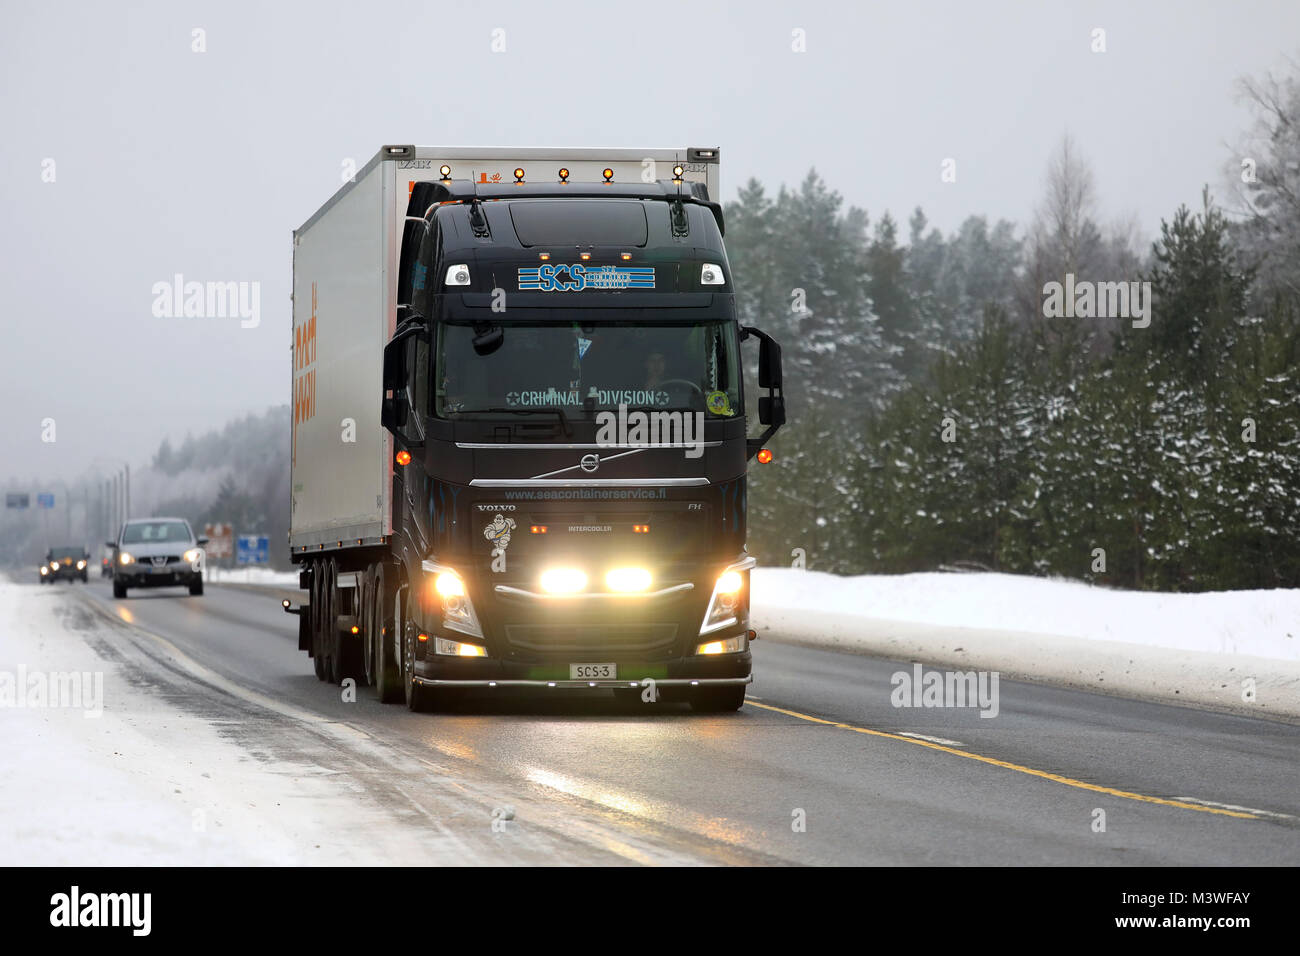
(519, 443)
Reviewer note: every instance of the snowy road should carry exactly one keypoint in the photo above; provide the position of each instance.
(819, 768)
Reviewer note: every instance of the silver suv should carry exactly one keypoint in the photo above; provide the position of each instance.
(156, 552)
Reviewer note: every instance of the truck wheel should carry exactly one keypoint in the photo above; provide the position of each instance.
(418, 698)
(388, 675)
(318, 660)
(119, 589)
(715, 700)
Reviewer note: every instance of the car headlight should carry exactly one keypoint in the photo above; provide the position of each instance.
(728, 596)
(446, 588)
(54, 565)
(732, 645)
(81, 565)
(193, 555)
(125, 557)
(44, 569)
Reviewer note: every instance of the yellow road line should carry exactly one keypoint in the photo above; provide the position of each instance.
(1055, 777)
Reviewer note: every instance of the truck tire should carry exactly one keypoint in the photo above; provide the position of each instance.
(418, 698)
(119, 589)
(319, 662)
(387, 672)
(716, 700)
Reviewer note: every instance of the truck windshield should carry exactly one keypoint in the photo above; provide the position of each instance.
(590, 366)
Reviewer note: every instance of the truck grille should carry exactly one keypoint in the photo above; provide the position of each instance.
(642, 641)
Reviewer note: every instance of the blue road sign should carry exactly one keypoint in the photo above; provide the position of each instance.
(45, 500)
(252, 549)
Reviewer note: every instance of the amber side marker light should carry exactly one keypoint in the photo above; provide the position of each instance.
(608, 174)
(640, 529)
(537, 529)
(764, 456)
(404, 457)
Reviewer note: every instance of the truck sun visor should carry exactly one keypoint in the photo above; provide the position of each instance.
(571, 222)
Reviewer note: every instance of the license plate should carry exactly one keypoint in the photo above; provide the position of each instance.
(593, 671)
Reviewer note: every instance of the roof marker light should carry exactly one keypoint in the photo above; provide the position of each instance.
(445, 171)
(519, 174)
(677, 172)
(564, 175)
(608, 174)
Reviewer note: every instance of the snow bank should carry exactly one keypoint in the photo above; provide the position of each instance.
(1259, 623)
(1234, 650)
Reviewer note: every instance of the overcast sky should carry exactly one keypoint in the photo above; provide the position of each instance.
(170, 161)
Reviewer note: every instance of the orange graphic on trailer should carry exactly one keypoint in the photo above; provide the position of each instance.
(304, 372)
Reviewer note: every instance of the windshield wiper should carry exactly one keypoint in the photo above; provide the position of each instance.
(564, 421)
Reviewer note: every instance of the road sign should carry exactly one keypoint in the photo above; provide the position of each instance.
(221, 540)
(253, 549)
(45, 500)
(13, 500)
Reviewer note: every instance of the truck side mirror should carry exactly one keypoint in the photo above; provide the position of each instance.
(771, 410)
(769, 364)
(394, 410)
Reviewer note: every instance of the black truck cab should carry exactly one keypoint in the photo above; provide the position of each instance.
(565, 392)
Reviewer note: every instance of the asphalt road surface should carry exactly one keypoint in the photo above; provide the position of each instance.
(819, 767)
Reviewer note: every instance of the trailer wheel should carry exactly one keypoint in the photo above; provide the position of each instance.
(387, 673)
(715, 700)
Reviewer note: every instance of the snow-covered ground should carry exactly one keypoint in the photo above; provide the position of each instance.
(1258, 623)
(1233, 650)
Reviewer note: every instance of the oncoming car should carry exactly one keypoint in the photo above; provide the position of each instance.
(69, 563)
(157, 552)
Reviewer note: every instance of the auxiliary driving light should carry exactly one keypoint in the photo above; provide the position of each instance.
(442, 645)
(627, 579)
(732, 645)
(563, 581)
(764, 456)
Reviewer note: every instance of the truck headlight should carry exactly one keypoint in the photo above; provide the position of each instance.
(732, 645)
(457, 275)
(728, 596)
(448, 589)
(711, 274)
